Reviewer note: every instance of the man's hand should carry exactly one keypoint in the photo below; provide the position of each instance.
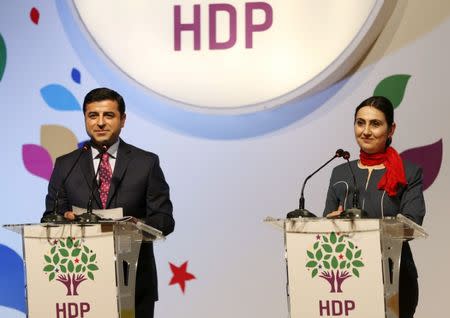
(336, 213)
(69, 215)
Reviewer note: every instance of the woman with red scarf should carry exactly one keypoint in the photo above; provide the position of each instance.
(386, 185)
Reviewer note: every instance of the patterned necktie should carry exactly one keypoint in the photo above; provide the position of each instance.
(105, 173)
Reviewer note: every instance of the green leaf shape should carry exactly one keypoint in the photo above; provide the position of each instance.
(92, 267)
(56, 259)
(341, 238)
(349, 254)
(325, 239)
(358, 254)
(90, 275)
(348, 264)
(319, 255)
(77, 243)
(310, 264)
(63, 252)
(339, 248)
(393, 87)
(314, 272)
(310, 254)
(47, 259)
(52, 251)
(76, 252)
(355, 272)
(334, 262)
(357, 263)
(63, 268)
(61, 243)
(351, 245)
(84, 258)
(342, 265)
(69, 242)
(333, 238)
(49, 268)
(327, 248)
(83, 269)
(51, 276)
(78, 268)
(3, 54)
(326, 264)
(327, 256)
(64, 260)
(316, 245)
(70, 267)
(86, 249)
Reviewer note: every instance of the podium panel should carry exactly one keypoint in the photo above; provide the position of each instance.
(75, 266)
(330, 265)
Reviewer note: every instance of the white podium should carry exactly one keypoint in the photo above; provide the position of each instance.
(342, 267)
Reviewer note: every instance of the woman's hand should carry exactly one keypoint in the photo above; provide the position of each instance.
(336, 213)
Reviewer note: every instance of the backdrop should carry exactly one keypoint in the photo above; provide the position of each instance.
(227, 172)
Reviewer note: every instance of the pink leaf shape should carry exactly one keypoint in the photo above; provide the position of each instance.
(37, 161)
(428, 157)
(34, 15)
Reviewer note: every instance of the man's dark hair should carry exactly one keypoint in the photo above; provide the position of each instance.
(103, 93)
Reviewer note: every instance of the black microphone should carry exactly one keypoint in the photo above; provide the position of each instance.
(301, 211)
(88, 216)
(55, 217)
(355, 212)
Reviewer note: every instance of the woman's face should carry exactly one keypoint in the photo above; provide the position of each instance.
(372, 130)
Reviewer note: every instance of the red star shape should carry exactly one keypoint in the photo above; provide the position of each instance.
(180, 275)
(317, 237)
(341, 256)
(77, 260)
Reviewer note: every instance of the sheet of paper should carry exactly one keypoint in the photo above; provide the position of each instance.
(114, 214)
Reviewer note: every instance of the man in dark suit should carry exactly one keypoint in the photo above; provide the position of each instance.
(136, 183)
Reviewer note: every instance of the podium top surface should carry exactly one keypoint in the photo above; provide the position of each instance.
(399, 227)
(129, 222)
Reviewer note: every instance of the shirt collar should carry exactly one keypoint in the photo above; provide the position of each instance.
(112, 151)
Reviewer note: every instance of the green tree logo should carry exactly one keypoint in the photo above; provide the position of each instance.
(334, 258)
(71, 263)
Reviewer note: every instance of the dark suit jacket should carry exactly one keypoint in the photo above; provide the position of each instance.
(138, 186)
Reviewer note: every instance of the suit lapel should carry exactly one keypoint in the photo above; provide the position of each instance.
(87, 166)
(124, 154)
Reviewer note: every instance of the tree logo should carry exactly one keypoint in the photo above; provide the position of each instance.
(70, 263)
(334, 258)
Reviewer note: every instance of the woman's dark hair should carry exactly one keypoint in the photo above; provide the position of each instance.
(384, 105)
(101, 94)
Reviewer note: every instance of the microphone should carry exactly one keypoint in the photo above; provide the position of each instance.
(355, 212)
(55, 217)
(301, 211)
(88, 216)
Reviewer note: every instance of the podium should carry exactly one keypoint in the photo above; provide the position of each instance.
(82, 270)
(344, 267)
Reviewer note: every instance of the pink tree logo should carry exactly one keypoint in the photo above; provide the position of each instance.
(334, 258)
(70, 263)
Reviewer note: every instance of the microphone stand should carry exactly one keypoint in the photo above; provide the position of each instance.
(56, 217)
(90, 217)
(355, 212)
(301, 211)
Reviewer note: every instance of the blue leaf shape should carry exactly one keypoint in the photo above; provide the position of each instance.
(81, 143)
(76, 75)
(12, 282)
(60, 98)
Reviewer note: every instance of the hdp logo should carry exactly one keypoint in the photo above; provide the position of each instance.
(71, 263)
(334, 258)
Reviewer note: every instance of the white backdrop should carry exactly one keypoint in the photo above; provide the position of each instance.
(226, 179)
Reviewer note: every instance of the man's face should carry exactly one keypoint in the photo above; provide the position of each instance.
(103, 122)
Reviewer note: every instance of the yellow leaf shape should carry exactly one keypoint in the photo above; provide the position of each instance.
(58, 140)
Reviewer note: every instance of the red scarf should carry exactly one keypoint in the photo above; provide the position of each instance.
(395, 173)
